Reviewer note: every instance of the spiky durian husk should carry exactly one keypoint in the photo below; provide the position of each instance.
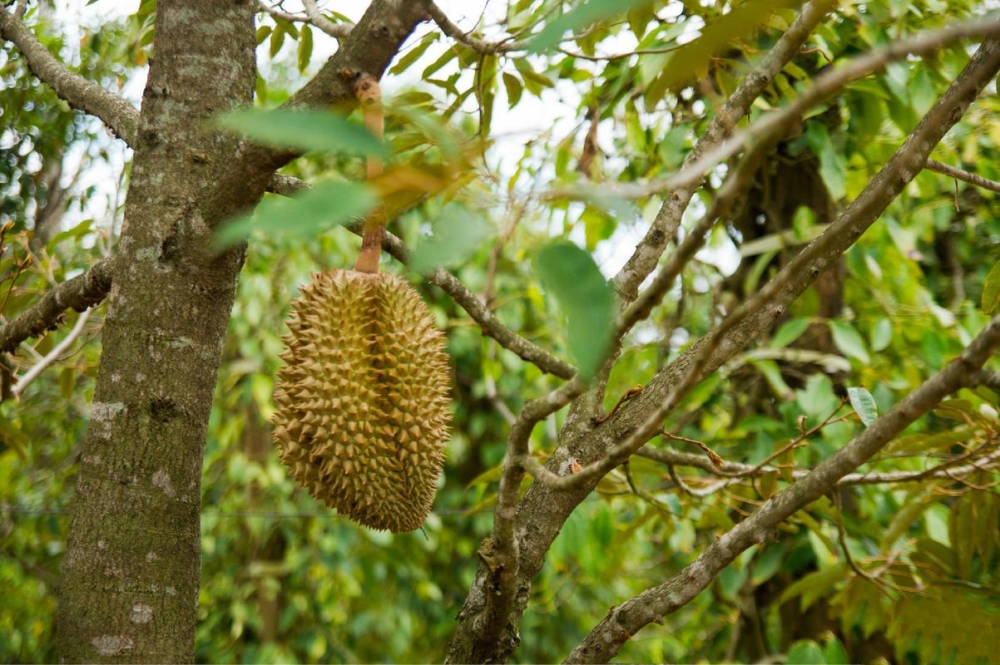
(362, 402)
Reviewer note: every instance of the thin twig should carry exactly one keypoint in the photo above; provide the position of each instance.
(673, 457)
(54, 355)
(505, 555)
(737, 182)
(313, 16)
(335, 30)
(958, 174)
(480, 46)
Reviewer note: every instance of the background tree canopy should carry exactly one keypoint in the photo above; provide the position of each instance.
(721, 288)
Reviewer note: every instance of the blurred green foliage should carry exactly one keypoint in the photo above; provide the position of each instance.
(286, 580)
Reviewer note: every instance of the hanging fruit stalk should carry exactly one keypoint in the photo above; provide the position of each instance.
(363, 400)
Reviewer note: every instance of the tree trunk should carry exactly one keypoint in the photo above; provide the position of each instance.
(132, 566)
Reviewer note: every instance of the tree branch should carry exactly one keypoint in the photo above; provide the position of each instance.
(757, 313)
(313, 16)
(121, 117)
(369, 48)
(506, 555)
(736, 470)
(736, 185)
(989, 379)
(480, 46)
(53, 355)
(626, 620)
(79, 293)
(647, 253)
(959, 174)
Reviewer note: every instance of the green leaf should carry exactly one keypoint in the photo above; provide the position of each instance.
(305, 47)
(991, 291)
(533, 81)
(817, 398)
(581, 16)
(881, 335)
(414, 53)
(691, 59)
(514, 89)
(457, 233)
(303, 130)
(277, 38)
(806, 651)
(864, 405)
(326, 205)
(262, 33)
(849, 341)
(789, 331)
(814, 586)
(67, 382)
(772, 374)
(832, 166)
(571, 275)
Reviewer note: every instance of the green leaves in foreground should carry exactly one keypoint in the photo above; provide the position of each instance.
(578, 18)
(570, 274)
(304, 130)
(458, 231)
(322, 207)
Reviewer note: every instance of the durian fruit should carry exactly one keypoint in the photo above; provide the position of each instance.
(363, 400)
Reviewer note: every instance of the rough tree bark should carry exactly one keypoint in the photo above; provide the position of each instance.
(132, 568)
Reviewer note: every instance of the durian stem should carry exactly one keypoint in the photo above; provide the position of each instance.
(367, 91)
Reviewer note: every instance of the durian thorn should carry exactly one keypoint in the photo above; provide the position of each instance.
(367, 90)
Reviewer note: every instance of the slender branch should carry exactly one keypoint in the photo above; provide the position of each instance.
(647, 254)
(313, 16)
(114, 111)
(286, 185)
(278, 14)
(673, 457)
(478, 45)
(627, 619)
(506, 555)
(487, 321)
(53, 355)
(959, 174)
(79, 293)
(336, 30)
